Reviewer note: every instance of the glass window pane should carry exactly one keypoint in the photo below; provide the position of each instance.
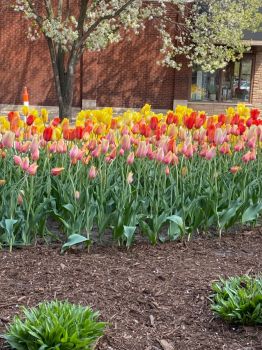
(229, 84)
(204, 85)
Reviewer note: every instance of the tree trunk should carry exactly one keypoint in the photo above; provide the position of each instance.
(64, 75)
(67, 94)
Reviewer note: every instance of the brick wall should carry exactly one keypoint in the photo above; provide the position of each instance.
(124, 75)
(257, 80)
(127, 74)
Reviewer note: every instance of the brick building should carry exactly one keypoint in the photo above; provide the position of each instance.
(124, 75)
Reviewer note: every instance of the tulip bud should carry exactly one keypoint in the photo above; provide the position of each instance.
(130, 177)
(92, 172)
(77, 195)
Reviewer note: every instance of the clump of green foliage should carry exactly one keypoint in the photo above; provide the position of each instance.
(55, 325)
(238, 300)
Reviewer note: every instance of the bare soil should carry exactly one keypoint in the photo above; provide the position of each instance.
(154, 298)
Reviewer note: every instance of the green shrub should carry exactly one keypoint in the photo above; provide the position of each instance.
(238, 300)
(55, 325)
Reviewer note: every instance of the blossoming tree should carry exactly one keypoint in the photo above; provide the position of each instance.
(208, 32)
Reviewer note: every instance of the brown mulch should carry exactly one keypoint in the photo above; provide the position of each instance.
(155, 298)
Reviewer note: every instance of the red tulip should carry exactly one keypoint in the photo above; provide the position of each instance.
(30, 119)
(56, 121)
(47, 134)
(79, 131)
(153, 123)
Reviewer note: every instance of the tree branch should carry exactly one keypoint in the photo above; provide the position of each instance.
(101, 19)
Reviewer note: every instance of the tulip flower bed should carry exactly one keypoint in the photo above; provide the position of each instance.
(164, 176)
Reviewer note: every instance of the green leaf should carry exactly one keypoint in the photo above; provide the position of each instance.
(129, 234)
(69, 207)
(251, 213)
(8, 225)
(176, 219)
(73, 240)
(228, 215)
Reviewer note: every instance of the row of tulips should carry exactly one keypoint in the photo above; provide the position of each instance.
(165, 176)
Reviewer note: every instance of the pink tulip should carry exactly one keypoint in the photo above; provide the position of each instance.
(25, 163)
(203, 150)
(168, 158)
(32, 169)
(61, 147)
(25, 147)
(104, 146)
(96, 152)
(150, 154)
(141, 151)
(8, 139)
(91, 145)
(220, 136)
(53, 147)
(202, 136)
(167, 171)
(239, 146)
(35, 154)
(19, 199)
(211, 153)
(130, 158)
(235, 169)
(253, 155)
(225, 148)
(17, 160)
(172, 130)
(251, 143)
(182, 134)
(247, 157)
(126, 143)
(121, 152)
(92, 172)
(34, 144)
(112, 155)
(196, 135)
(175, 159)
(56, 171)
(18, 146)
(189, 150)
(74, 152)
(160, 155)
(125, 130)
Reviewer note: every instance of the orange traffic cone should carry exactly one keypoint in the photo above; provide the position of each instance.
(25, 97)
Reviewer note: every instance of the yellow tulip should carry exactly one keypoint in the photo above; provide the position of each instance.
(44, 115)
(25, 110)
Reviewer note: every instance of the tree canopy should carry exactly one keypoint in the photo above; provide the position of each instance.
(209, 32)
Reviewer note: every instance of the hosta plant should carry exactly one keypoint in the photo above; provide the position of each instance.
(55, 325)
(238, 300)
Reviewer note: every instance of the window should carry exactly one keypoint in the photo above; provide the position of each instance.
(233, 83)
